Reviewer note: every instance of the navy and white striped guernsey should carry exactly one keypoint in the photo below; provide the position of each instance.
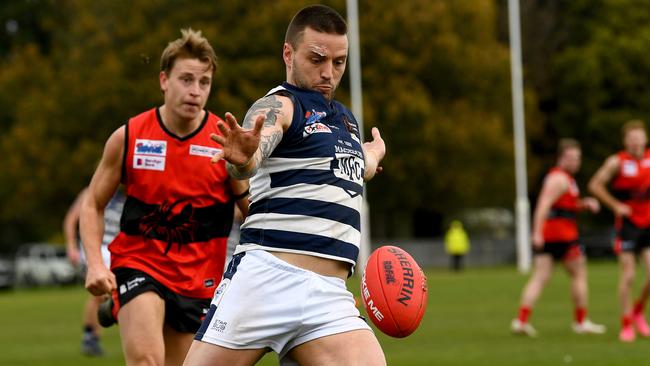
(306, 197)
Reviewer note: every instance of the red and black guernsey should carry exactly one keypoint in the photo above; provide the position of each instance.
(561, 224)
(178, 210)
(632, 186)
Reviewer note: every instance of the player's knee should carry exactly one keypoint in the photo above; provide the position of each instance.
(579, 276)
(542, 278)
(145, 356)
(627, 278)
(149, 360)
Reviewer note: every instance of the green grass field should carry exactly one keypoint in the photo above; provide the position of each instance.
(467, 323)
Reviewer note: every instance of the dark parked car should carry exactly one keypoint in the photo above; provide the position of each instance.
(6, 273)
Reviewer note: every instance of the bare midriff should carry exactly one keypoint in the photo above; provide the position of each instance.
(322, 266)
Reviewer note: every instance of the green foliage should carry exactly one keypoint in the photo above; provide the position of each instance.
(436, 83)
(590, 67)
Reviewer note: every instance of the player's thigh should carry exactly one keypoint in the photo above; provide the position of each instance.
(645, 258)
(353, 348)
(176, 345)
(576, 266)
(542, 266)
(141, 323)
(627, 263)
(207, 354)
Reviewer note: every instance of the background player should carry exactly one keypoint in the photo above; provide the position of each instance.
(90, 344)
(308, 168)
(169, 255)
(555, 238)
(629, 174)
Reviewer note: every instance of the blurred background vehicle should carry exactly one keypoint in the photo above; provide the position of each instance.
(6, 273)
(40, 264)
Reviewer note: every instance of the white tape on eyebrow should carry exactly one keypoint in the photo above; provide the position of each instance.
(318, 49)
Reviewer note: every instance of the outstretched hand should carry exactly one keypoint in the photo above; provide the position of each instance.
(374, 151)
(239, 144)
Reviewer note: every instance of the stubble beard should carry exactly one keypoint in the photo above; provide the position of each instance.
(304, 84)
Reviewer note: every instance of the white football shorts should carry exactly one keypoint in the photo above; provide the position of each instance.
(106, 255)
(263, 302)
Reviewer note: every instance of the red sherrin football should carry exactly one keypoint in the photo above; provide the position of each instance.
(394, 291)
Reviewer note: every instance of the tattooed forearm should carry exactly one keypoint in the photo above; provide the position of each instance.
(268, 143)
(237, 174)
(269, 106)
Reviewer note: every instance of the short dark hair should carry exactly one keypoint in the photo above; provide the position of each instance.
(566, 144)
(320, 18)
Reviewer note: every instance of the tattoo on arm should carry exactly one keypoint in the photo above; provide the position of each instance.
(270, 106)
(269, 143)
(235, 173)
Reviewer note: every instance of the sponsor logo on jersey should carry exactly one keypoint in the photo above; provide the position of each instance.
(149, 154)
(208, 282)
(316, 128)
(149, 162)
(352, 128)
(350, 168)
(151, 147)
(206, 151)
(314, 116)
(645, 163)
(630, 169)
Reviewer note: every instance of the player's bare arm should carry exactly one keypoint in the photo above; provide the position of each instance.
(70, 227)
(554, 186)
(267, 118)
(105, 181)
(598, 186)
(373, 152)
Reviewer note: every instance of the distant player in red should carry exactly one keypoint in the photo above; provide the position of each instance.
(629, 199)
(555, 239)
(168, 257)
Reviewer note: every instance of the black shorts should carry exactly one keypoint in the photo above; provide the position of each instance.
(561, 250)
(630, 238)
(183, 314)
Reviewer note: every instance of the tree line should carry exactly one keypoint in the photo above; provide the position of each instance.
(436, 82)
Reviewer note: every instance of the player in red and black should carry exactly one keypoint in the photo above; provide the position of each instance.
(629, 199)
(169, 255)
(555, 239)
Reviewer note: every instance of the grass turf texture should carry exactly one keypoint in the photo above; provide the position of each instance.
(467, 323)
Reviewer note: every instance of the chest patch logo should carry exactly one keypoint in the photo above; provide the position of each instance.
(645, 163)
(149, 154)
(630, 168)
(352, 129)
(151, 147)
(314, 116)
(316, 128)
(206, 151)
